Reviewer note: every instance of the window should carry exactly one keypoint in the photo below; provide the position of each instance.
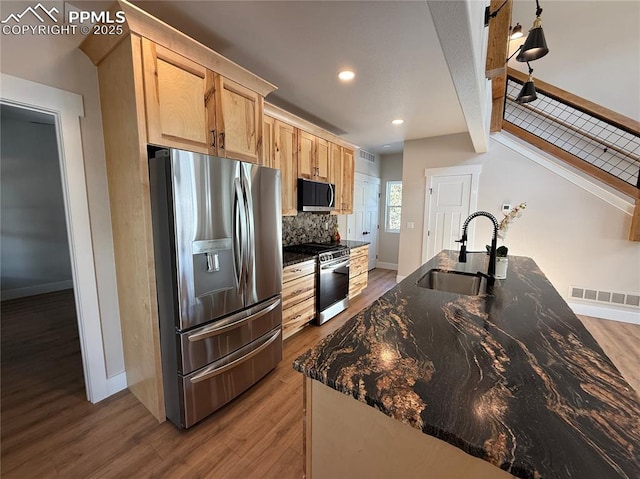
(394, 207)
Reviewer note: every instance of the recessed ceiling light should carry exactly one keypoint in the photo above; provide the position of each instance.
(397, 121)
(346, 75)
(386, 146)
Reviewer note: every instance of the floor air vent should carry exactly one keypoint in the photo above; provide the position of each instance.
(606, 297)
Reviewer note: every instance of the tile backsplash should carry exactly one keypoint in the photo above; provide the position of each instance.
(307, 227)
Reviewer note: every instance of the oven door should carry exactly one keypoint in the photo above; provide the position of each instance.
(333, 288)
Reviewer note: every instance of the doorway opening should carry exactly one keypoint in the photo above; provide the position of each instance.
(66, 109)
(41, 360)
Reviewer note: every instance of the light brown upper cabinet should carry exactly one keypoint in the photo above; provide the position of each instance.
(178, 99)
(268, 141)
(342, 175)
(281, 153)
(335, 174)
(286, 160)
(238, 121)
(193, 108)
(313, 157)
(348, 167)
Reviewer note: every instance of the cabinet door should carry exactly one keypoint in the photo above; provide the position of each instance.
(322, 160)
(286, 160)
(239, 116)
(178, 99)
(347, 181)
(268, 142)
(335, 173)
(306, 153)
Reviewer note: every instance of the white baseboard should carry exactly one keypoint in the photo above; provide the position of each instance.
(594, 311)
(399, 278)
(38, 289)
(116, 383)
(393, 266)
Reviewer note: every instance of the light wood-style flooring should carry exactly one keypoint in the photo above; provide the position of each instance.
(49, 430)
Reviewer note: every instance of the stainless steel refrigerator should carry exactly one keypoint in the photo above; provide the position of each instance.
(218, 254)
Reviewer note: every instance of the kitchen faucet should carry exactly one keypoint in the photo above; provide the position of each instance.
(462, 258)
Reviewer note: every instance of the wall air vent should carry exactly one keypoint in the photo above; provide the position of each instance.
(366, 156)
(615, 298)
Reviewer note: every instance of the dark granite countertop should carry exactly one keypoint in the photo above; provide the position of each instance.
(353, 244)
(289, 258)
(511, 377)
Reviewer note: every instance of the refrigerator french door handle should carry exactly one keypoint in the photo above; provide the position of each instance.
(233, 321)
(250, 238)
(214, 371)
(238, 234)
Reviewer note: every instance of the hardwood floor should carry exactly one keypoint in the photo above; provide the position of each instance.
(620, 342)
(49, 430)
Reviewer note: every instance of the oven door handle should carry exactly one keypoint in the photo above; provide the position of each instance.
(217, 370)
(327, 267)
(233, 322)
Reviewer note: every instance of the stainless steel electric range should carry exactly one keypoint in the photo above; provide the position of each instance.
(332, 277)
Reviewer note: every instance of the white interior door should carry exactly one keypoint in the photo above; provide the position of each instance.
(362, 225)
(449, 200)
(370, 223)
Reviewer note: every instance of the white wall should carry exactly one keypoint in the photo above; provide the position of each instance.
(56, 61)
(35, 249)
(594, 50)
(388, 243)
(575, 237)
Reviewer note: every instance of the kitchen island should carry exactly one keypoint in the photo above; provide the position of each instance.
(512, 380)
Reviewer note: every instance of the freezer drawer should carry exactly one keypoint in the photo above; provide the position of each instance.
(209, 343)
(210, 388)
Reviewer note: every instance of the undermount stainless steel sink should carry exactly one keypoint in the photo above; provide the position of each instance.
(471, 284)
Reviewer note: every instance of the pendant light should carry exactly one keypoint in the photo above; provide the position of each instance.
(528, 92)
(516, 32)
(535, 46)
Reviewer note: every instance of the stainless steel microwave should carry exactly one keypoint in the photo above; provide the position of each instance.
(316, 196)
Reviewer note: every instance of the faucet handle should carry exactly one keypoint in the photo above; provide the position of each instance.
(462, 240)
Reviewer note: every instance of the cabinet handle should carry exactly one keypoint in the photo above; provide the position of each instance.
(222, 140)
(297, 291)
(213, 138)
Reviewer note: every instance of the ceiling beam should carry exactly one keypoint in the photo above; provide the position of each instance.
(459, 27)
(497, 52)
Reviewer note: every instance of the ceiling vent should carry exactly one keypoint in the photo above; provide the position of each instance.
(366, 156)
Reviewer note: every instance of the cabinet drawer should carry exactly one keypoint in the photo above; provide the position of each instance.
(360, 252)
(297, 270)
(304, 309)
(298, 321)
(357, 284)
(298, 290)
(359, 265)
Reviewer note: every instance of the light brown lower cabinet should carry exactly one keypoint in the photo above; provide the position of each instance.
(298, 296)
(358, 270)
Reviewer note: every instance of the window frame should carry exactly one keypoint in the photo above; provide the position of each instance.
(387, 206)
